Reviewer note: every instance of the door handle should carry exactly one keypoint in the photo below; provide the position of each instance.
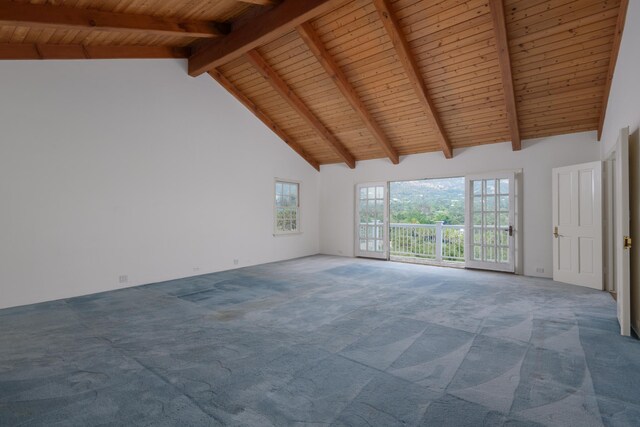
(555, 232)
(626, 240)
(510, 230)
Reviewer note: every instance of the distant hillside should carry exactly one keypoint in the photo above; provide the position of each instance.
(427, 201)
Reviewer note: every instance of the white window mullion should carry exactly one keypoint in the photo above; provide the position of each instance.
(484, 213)
(287, 207)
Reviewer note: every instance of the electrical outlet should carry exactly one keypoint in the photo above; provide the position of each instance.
(236, 261)
(539, 270)
(123, 279)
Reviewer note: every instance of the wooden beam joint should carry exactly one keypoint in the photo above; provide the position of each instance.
(253, 33)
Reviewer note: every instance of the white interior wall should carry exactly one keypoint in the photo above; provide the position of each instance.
(536, 159)
(99, 161)
(624, 110)
(111, 168)
(623, 107)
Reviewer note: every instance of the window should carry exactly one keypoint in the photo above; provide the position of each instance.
(287, 207)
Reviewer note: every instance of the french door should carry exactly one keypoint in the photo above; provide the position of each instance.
(372, 220)
(489, 221)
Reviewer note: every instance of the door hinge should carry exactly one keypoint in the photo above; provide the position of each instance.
(627, 242)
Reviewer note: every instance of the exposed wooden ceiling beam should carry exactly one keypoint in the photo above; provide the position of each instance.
(251, 106)
(256, 32)
(70, 18)
(408, 61)
(316, 46)
(260, 2)
(57, 51)
(502, 44)
(615, 49)
(299, 106)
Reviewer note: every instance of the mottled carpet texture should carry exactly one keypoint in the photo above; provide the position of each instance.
(323, 341)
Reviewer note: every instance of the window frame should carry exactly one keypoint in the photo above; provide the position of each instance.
(276, 231)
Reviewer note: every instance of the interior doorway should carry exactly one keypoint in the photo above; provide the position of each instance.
(427, 221)
(609, 223)
(577, 224)
(617, 239)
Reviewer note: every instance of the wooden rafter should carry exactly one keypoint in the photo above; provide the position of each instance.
(61, 51)
(615, 49)
(251, 106)
(299, 106)
(316, 46)
(502, 44)
(256, 32)
(410, 66)
(562, 61)
(260, 2)
(70, 18)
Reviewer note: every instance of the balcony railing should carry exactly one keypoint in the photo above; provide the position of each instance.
(430, 242)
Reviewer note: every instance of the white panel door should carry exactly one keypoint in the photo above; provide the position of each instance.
(622, 244)
(372, 220)
(577, 224)
(489, 221)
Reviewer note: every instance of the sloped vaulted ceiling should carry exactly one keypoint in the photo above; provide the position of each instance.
(341, 81)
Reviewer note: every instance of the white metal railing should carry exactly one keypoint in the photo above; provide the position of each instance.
(438, 242)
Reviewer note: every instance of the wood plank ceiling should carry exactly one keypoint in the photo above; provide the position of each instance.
(347, 80)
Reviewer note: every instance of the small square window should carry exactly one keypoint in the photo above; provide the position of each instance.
(287, 207)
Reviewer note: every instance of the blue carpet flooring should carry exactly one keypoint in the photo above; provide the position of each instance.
(323, 341)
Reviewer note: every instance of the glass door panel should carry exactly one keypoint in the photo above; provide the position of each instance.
(490, 222)
(371, 220)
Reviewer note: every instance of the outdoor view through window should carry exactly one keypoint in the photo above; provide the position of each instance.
(287, 215)
(427, 220)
